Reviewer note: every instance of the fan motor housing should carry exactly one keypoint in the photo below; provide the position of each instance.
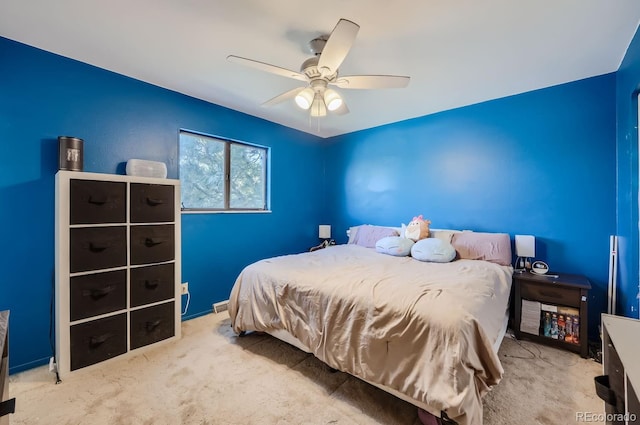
(317, 44)
(310, 69)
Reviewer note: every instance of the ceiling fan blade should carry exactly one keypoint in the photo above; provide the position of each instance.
(283, 72)
(372, 82)
(337, 46)
(283, 97)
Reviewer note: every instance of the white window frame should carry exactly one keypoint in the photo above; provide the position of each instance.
(228, 143)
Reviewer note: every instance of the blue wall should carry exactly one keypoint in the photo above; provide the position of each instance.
(540, 163)
(43, 95)
(627, 86)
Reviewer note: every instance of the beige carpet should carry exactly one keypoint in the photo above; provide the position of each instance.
(212, 377)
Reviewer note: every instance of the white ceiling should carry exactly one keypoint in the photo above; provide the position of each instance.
(457, 52)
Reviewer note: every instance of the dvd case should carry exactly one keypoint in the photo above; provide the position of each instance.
(561, 323)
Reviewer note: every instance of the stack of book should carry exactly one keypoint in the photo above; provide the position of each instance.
(561, 323)
(551, 321)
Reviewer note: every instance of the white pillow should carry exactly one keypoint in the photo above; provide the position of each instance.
(433, 250)
(394, 245)
(351, 233)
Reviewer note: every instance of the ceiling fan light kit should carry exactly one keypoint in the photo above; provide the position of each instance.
(304, 98)
(321, 71)
(318, 108)
(332, 99)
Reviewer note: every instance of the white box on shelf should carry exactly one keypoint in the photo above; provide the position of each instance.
(144, 168)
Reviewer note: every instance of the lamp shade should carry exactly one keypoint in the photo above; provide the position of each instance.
(332, 99)
(304, 99)
(324, 231)
(525, 246)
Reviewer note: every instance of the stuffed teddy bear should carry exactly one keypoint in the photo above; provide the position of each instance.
(417, 229)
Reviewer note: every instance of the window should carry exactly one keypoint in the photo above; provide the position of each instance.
(222, 174)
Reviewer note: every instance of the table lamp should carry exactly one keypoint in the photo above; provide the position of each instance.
(525, 251)
(324, 231)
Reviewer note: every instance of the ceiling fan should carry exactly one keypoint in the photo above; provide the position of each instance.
(321, 71)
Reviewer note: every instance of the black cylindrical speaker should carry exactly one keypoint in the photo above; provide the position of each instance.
(70, 153)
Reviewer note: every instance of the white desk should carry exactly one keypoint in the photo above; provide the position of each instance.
(620, 350)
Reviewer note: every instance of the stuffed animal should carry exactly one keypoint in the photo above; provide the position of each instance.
(417, 229)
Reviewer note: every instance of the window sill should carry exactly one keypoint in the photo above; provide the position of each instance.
(225, 212)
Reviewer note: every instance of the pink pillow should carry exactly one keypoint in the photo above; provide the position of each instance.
(368, 235)
(493, 247)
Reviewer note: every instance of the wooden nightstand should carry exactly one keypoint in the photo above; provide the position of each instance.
(565, 292)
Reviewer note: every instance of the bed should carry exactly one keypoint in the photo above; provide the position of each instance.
(426, 332)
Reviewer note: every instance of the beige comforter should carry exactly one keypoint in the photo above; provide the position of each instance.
(423, 329)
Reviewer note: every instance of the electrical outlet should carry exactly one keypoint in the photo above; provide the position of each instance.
(185, 288)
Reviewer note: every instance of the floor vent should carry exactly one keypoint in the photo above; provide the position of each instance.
(221, 306)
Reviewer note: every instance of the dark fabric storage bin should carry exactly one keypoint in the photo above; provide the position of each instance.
(152, 203)
(152, 244)
(152, 324)
(95, 248)
(98, 340)
(152, 284)
(96, 294)
(95, 201)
